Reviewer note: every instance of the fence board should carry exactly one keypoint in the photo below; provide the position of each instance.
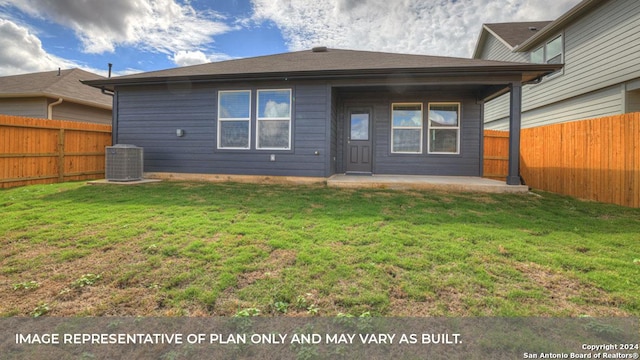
(597, 159)
(42, 151)
(496, 154)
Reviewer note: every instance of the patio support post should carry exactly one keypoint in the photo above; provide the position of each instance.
(515, 114)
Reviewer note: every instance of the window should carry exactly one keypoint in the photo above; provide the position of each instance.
(406, 128)
(234, 119)
(274, 120)
(444, 128)
(554, 51)
(549, 53)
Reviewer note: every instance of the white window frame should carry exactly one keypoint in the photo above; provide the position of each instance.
(545, 53)
(221, 120)
(457, 128)
(421, 127)
(546, 49)
(260, 119)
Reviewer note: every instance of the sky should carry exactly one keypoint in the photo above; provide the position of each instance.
(146, 35)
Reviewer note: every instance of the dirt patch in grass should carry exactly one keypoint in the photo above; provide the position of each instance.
(58, 287)
(570, 294)
(228, 302)
(562, 294)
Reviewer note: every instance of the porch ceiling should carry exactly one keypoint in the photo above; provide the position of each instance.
(481, 91)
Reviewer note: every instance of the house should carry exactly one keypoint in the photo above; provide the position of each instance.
(55, 95)
(316, 113)
(598, 41)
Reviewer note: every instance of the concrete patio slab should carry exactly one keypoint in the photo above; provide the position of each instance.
(408, 182)
(134, 182)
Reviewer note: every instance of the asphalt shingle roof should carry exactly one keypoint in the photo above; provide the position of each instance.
(326, 64)
(66, 85)
(310, 61)
(515, 33)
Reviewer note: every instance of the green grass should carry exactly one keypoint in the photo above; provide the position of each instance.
(176, 249)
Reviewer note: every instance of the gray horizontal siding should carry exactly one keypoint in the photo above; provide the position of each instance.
(596, 104)
(601, 50)
(495, 49)
(600, 53)
(28, 107)
(149, 117)
(77, 112)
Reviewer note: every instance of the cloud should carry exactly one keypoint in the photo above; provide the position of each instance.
(443, 27)
(164, 26)
(186, 58)
(22, 51)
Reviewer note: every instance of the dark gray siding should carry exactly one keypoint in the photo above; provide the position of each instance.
(467, 163)
(333, 153)
(149, 117)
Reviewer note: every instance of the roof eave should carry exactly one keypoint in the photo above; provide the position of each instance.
(539, 70)
(558, 24)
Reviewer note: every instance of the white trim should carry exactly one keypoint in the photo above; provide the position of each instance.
(260, 119)
(220, 119)
(457, 128)
(421, 127)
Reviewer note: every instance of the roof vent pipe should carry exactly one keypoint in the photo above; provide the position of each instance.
(533, 28)
(58, 72)
(110, 65)
(319, 49)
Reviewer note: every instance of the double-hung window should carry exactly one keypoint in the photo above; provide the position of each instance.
(406, 128)
(444, 128)
(234, 119)
(549, 53)
(274, 119)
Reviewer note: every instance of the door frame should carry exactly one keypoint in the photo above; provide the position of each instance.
(348, 110)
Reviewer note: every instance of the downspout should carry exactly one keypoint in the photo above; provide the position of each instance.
(50, 108)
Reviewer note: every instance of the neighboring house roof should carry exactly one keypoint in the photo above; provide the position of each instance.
(63, 84)
(519, 37)
(510, 34)
(323, 63)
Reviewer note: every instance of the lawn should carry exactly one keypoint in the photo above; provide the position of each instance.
(201, 249)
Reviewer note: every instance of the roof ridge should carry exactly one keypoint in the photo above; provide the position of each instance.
(61, 77)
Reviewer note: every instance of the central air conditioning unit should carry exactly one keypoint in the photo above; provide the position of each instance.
(123, 163)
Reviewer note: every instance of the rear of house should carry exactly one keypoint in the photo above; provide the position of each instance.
(597, 41)
(314, 114)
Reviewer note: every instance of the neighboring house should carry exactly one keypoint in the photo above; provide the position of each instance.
(55, 95)
(598, 41)
(316, 113)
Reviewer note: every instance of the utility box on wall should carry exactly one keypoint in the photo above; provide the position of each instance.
(124, 163)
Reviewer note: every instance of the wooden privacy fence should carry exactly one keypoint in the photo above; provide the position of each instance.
(41, 151)
(496, 154)
(597, 159)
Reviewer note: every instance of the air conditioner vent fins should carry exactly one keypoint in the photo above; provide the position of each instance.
(123, 162)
